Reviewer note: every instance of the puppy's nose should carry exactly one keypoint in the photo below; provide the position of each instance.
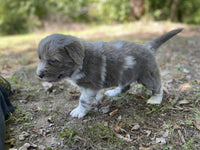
(41, 75)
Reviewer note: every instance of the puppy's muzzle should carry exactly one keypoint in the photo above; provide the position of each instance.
(40, 74)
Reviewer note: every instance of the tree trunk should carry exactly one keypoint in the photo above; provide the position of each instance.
(174, 8)
(137, 7)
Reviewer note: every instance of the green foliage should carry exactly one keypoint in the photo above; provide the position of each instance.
(109, 10)
(187, 11)
(20, 16)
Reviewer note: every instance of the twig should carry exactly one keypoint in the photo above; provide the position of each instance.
(181, 136)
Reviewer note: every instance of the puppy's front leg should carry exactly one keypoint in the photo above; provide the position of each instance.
(85, 103)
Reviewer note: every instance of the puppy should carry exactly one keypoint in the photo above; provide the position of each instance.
(97, 65)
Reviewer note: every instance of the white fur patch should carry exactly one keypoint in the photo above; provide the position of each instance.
(114, 92)
(103, 69)
(72, 82)
(129, 62)
(41, 66)
(77, 74)
(157, 98)
(99, 97)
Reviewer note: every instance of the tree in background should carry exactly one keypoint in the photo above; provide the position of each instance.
(20, 16)
(138, 8)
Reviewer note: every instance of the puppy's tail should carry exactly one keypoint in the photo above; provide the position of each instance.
(155, 44)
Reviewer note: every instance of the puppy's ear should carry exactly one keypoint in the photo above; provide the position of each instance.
(76, 51)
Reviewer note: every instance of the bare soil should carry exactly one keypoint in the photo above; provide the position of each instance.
(122, 122)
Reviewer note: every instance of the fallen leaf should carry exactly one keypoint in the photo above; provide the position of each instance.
(182, 102)
(114, 112)
(148, 132)
(128, 139)
(135, 127)
(165, 90)
(122, 133)
(144, 148)
(198, 81)
(117, 128)
(197, 123)
(184, 87)
(47, 85)
(175, 126)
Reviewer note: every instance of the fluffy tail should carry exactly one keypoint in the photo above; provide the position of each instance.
(155, 44)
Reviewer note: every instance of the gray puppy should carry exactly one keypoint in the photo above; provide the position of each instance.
(97, 65)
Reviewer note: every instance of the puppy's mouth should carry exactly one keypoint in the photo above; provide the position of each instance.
(58, 78)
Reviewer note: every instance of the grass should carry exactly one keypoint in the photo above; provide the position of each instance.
(18, 61)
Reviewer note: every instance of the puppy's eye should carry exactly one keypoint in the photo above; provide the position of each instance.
(52, 62)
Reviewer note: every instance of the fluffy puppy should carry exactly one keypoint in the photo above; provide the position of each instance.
(97, 65)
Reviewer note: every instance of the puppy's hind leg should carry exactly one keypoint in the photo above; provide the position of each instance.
(117, 91)
(85, 103)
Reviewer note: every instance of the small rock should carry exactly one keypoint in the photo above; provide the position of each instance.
(135, 127)
(25, 133)
(33, 145)
(23, 101)
(166, 134)
(120, 117)
(50, 120)
(41, 147)
(105, 124)
(25, 146)
(105, 109)
(51, 124)
(21, 137)
(161, 140)
(186, 71)
(188, 77)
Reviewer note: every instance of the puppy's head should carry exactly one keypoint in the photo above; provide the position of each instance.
(59, 56)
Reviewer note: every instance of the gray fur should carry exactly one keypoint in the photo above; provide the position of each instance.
(98, 65)
(155, 44)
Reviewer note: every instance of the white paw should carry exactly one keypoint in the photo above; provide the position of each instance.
(114, 92)
(78, 112)
(99, 98)
(155, 100)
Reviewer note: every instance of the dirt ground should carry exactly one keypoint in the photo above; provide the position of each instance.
(42, 120)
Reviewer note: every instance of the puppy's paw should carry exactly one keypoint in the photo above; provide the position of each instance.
(114, 92)
(155, 100)
(78, 112)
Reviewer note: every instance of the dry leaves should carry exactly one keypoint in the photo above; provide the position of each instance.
(197, 123)
(122, 134)
(165, 90)
(183, 102)
(114, 112)
(144, 148)
(47, 85)
(184, 87)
